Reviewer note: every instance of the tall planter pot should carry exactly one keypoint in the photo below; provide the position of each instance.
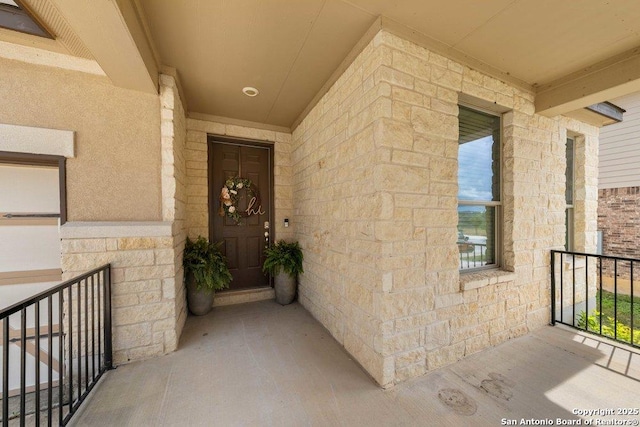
(200, 302)
(285, 287)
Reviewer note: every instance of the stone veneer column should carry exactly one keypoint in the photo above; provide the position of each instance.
(174, 199)
(143, 275)
(586, 191)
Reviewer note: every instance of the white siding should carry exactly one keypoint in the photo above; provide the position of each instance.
(619, 164)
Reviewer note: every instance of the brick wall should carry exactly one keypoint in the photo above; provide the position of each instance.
(619, 220)
(375, 201)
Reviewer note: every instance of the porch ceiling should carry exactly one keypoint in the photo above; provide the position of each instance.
(572, 53)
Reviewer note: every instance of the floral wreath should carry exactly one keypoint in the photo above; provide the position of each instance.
(229, 197)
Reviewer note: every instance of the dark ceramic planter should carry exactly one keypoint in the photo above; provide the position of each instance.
(285, 287)
(200, 301)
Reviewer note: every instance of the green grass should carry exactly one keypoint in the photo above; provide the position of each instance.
(624, 308)
(472, 231)
(614, 319)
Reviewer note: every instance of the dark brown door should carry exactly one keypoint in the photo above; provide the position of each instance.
(243, 238)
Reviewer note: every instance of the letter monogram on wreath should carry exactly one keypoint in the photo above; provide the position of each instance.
(230, 196)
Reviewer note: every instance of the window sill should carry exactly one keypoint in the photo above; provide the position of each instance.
(480, 279)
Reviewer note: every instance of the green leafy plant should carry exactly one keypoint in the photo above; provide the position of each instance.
(621, 331)
(283, 256)
(619, 305)
(207, 264)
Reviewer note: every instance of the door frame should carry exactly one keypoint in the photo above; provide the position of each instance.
(213, 193)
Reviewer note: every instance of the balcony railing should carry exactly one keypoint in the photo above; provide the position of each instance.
(596, 294)
(472, 255)
(54, 348)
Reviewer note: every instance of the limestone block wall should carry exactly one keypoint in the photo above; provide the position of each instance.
(174, 188)
(586, 186)
(577, 271)
(143, 275)
(375, 201)
(197, 188)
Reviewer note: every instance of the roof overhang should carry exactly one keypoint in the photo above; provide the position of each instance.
(113, 32)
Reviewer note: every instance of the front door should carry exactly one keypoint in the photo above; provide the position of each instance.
(240, 184)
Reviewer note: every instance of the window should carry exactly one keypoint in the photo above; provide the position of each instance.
(15, 16)
(569, 194)
(32, 206)
(478, 189)
(57, 163)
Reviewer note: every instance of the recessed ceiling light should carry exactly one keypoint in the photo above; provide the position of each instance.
(250, 91)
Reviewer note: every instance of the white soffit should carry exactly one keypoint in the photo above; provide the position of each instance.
(26, 139)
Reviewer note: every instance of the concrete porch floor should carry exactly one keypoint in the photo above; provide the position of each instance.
(261, 364)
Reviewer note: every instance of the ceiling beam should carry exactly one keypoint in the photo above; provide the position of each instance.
(113, 33)
(606, 80)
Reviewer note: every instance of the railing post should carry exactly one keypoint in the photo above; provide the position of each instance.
(586, 292)
(631, 308)
(65, 357)
(5, 371)
(615, 300)
(557, 286)
(23, 363)
(553, 289)
(108, 348)
(600, 316)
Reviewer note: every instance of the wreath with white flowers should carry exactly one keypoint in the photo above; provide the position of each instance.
(229, 197)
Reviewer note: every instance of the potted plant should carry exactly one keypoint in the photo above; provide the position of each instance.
(206, 271)
(284, 262)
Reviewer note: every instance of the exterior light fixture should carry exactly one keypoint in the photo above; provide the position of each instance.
(250, 91)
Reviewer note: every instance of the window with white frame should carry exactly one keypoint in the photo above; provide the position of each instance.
(478, 189)
(570, 151)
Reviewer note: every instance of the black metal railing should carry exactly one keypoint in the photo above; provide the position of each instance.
(55, 347)
(595, 293)
(472, 255)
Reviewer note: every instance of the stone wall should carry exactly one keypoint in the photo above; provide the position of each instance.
(197, 187)
(174, 188)
(585, 186)
(375, 200)
(142, 258)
